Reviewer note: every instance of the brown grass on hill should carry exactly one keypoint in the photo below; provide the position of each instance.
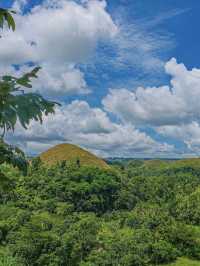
(72, 154)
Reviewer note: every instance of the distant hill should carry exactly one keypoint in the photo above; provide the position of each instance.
(71, 153)
(184, 262)
(154, 163)
(190, 162)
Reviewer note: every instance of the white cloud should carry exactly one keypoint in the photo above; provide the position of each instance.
(172, 111)
(60, 35)
(57, 35)
(61, 81)
(19, 5)
(68, 32)
(56, 82)
(187, 133)
(157, 106)
(90, 128)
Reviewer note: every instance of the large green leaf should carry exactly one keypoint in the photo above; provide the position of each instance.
(16, 105)
(6, 15)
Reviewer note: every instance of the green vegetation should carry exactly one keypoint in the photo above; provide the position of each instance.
(185, 262)
(144, 213)
(8, 261)
(17, 104)
(6, 17)
(73, 154)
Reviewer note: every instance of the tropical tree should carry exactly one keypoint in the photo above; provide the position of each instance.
(16, 103)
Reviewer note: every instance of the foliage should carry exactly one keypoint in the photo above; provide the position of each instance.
(185, 262)
(188, 207)
(8, 261)
(12, 155)
(76, 215)
(17, 105)
(6, 16)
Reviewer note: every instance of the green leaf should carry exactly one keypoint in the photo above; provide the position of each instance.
(17, 105)
(26, 79)
(6, 16)
(10, 20)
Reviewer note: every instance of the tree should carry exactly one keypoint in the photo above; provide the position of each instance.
(16, 104)
(6, 16)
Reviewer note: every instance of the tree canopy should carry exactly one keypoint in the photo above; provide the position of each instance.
(86, 216)
(16, 103)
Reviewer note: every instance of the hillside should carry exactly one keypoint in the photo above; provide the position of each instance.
(172, 164)
(185, 262)
(71, 153)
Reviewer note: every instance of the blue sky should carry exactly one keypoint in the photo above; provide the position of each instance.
(131, 45)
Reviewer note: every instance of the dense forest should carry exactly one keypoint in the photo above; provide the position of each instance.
(135, 213)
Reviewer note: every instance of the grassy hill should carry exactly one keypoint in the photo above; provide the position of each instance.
(185, 262)
(71, 153)
(172, 164)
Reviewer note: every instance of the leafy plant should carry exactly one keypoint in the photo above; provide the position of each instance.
(18, 105)
(12, 155)
(6, 16)
(8, 261)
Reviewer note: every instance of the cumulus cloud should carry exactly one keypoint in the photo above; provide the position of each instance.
(157, 106)
(60, 36)
(61, 81)
(57, 35)
(171, 110)
(187, 133)
(90, 128)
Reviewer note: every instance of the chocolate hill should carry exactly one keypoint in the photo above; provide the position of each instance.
(73, 154)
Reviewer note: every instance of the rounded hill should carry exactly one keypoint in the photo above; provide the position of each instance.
(73, 154)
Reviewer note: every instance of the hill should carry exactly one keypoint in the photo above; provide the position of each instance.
(173, 164)
(71, 153)
(185, 262)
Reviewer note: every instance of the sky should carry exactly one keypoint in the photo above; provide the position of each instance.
(126, 72)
